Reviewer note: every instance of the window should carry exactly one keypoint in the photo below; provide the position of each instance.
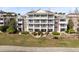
(50, 30)
(56, 22)
(43, 15)
(1, 22)
(31, 30)
(19, 29)
(36, 25)
(62, 25)
(50, 24)
(36, 21)
(37, 30)
(20, 19)
(78, 29)
(50, 15)
(36, 15)
(50, 20)
(1, 19)
(31, 25)
(62, 29)
(43, 25)
(56, 27)
(43, 30)
(19, 24)
(62, 20)
(30, 15)
(43, 21)
(77, 24)
(30, 20)
(55, 16)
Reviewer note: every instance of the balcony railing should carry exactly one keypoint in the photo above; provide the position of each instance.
(1, 21)
(20, 22)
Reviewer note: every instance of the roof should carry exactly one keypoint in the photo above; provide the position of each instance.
(2, 12)
(73, 14)
(40, 11)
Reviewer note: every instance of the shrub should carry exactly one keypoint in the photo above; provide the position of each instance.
(3, 28)
(25, 33)
(34, 33)
(11, 30)
(47, 33)
(40, 33)
(66, 31)
(71, 31)
(55, 37)
(55, 33)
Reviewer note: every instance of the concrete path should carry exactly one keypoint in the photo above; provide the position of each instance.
(36, 49)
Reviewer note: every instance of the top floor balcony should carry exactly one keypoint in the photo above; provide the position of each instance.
(20, 22)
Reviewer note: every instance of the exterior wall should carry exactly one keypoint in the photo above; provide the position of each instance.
(40, 23)
(36, 23)
(74, 18)
(63, 21)
(2, 21)
(5, 19)
(20, 23)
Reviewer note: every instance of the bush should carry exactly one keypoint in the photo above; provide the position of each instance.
(70, 31)
(3, 28)
(40, 33)
(11, 30)
(55, 37)
(34, 33)
(66, 31)
(55, 33)
(47, 33)
(25, 33)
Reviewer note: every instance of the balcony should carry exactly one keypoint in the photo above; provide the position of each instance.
(36, 21)
(1, 20)
(63, 22)
(35, 27)
(51, 18)
(43, 27)
(63, 26)
(20, 26)
(38, 18)
(20, 22)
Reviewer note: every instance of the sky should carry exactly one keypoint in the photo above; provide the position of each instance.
(24, 10)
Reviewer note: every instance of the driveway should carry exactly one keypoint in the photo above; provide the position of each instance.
(36, 49)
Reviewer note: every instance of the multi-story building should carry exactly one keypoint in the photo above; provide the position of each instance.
(45, 21)
(60, 22)
(20, 22)
(34, 21)
(5, 17)
(74, 16)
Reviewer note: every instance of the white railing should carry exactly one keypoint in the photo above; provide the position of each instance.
(1, 21)
(20, 22)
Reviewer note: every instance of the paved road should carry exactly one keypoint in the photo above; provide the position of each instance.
(36, 49)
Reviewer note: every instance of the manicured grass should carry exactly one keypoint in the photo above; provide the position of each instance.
(29, 41)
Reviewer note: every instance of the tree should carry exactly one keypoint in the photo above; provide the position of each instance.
(12, 22)
(78, 25)
(12, 26)
(11, 30)
(3, 28)
(70, 26)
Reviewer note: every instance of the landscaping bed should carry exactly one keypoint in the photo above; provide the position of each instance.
(30, 41)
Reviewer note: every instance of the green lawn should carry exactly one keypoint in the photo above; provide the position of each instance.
(29, 41)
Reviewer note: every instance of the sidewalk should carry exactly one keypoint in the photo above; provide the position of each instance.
(36, 49)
